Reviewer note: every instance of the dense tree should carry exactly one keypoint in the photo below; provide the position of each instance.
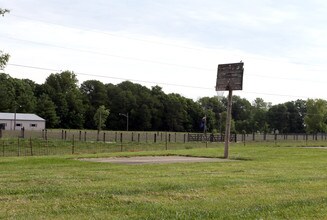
(25, 99)
(157, 111)
(277, 118)
(63, 90)
(94, 95)
(100, 116)
(296, 110)
(216, 106)
(16, 95)
(47, 110)
(175, 113)
(66, 105)
(242, 114)
(316, 117)
(7, 93)
(259, 116)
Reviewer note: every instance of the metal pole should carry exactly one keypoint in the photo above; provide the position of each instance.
(127, 121)
(228, 123)
(15, 119)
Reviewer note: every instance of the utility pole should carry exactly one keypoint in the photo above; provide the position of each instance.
(127, 119)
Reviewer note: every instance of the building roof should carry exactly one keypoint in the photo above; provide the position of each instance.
(20, 116)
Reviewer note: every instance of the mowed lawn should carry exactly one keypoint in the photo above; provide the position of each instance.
(263, 182)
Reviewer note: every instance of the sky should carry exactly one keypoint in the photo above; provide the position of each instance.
(176, 44)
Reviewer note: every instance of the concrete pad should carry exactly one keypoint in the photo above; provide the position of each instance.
(153, 160)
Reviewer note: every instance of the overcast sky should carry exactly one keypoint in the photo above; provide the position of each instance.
(176, 44)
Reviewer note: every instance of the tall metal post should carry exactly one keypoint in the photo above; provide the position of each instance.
(15, 119)
(127, 119)
(228, 123)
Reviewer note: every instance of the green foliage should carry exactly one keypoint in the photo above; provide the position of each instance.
(47, 110)
(316, 117)
(64, 93)
(4, 58)
(277, 117)
(66, 105)
(100, 116)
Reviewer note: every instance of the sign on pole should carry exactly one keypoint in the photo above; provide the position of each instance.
(229, 78)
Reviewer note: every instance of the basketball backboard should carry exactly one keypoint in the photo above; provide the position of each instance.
(230, 77)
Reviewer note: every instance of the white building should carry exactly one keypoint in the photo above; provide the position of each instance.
(17, 121)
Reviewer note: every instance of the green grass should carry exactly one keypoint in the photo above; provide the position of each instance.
(265, 181)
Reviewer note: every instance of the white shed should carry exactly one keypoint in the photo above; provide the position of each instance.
(17, 121)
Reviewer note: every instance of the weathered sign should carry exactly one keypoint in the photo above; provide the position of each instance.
(230, 77)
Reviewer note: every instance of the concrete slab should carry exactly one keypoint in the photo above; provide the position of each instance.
(153, 160)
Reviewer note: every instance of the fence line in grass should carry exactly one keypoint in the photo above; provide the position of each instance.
(50, 142)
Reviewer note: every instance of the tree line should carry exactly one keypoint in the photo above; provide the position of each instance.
(95, 105)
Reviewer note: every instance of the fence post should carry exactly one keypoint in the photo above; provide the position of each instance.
(175, 137)
(169, 138)
(132, 136)
(116, 136)
(85, 136)
(46, 134)
(73, 146)
(62, 134)
(166, 142)
(146, 137)
(31, 146)
(80, 135)
(18, 148)
(253, 136)
(0, 133)
(155, 138)
(65, 135)
(104, 137)
(184, 138)
(138, 137)
(121, 142)
(47, 146)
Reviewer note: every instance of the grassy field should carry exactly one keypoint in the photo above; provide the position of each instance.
(264, 181)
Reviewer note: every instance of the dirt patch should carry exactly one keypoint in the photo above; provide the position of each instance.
(153, 160)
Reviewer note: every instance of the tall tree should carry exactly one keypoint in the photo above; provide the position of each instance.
(7, 93)
(242, 114)
(277, 117)
(63, 90)
(47, 110)
(100, 117)
(259, 115)
(94, 95)
(296, 111)
(316, 117)
(175, 113)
